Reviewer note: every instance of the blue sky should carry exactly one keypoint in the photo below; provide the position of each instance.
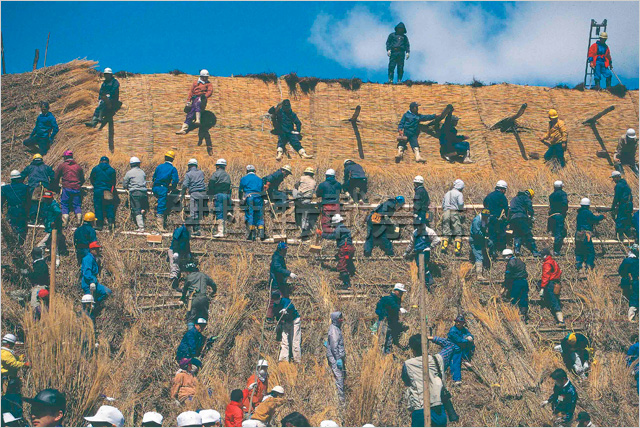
(454, 42)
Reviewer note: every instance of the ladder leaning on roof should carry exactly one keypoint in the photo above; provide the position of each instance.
(588, 71)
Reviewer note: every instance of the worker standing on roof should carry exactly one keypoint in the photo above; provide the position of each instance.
(109, 99)
(575, 353)
(261, 380)
(498, 205)
(45, 130)
(628, 272)
(71, 176)
(521, 220)
(250, 195)
(83, 236)
(194, 183)
(516, 284)
(51, 216)
(378, 223)
(585, 221)
(409, 127)
(600, 61)
(461, 336)
(622, 206)
(194, 293)
(289, 127)
(287, 315)
(388, 310)
(355, 182)
(193, 341)
(220, 191)
(626, 152)
(453, 217)
(278, 273)
(555, 138)
(135, 181)
(103, 179)
(199, 93)
(422, 240)
(564, 398)
(336, 354)
(37, 174)
(398, 49)
(185, 384)
(453, 146)
(272, 184)
(18, 199)
(165, 180)
(306, 213)
(90, 270)
(179, 254)
(346, 251)
(550, 285)
(329, 192)
(421, 202)
(480, 244)
(558, 207)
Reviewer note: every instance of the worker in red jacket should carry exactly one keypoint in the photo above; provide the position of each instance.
(199, 93)
(600, 61)
(262, 388)
(550, 285)
(233, 415)
(70, 176)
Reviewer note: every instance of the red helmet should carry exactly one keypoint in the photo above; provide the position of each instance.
(43, 294)
(93, 245)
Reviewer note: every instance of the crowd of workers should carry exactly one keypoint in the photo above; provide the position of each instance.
(257, 404)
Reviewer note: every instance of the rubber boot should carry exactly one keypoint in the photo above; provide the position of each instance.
(467, 158)
(559, 318)
(183, 130)
(252, 233)
(400, 154)
(175, 284)
(444, 246)
(220, 230)
(479, 274)
(416, 152)
(140, 222)
(160, 223)
(597, 85)
(458, 248)
(525, 315)
(346, 280)
(304, 155)
(517, 244)
(279, 153)
(261, 233)
(93, 123)
(608, 81)
(197, 121)
(65, 220)
(79, 219)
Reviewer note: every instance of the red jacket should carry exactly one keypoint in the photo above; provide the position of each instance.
(233, 415)
(261, 390)
(593, 54)
(550, 271)
(199, 88)
(71, 174)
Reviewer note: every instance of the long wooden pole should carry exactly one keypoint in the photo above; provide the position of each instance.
(426, 395)
(46, 49)
(52, 265)
(4, 71)
(35, 60)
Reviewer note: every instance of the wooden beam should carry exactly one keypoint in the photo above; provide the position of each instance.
(508, 123)
(35, 60)
(52, 265)
(46, 49)
(593, 119)
(425, 335)
(4, 71)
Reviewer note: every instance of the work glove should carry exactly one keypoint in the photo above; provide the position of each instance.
(318, 232)
(253, 385)
(541, 292)
(469, 338)
(340, 364)
(283, 311)
(293, 275)
(27, 364)
(92, 287)
(388, 53)
(544, 403)
(374, 327)
(407, 57)
(403, 311)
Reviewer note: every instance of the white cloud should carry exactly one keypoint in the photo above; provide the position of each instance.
(535, 42)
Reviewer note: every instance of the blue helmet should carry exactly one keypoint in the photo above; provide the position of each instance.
(400, 200)
(282, 246)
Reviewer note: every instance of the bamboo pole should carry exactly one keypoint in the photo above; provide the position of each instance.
(35, 60)
(46, 49)
(4, 71)
(52, 265)
(425, 342)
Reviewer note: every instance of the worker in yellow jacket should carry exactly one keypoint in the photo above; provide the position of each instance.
(10, 364)
(265, 410)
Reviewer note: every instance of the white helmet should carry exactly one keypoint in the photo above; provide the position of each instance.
(328, 424)
(507, 252)
(336, 218)
(107, 71)
(9, 338)
(262, 363)
(88, 298)
(15, 174)
(278, 389)
(501, 184)
(418, 179)
(458, 184)
(558, 184)
(134, 160)
(615, 174)
(631, 133)
(204, 73)
(400, 286)
(331, 172)
(221, 162)
(251, 168)
(193, 161)
(585, 202)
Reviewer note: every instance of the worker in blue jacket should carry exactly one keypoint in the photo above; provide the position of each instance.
(480, 244)
(453, 145)
(289, 127)
(632, 361)
(165, 180)
(498, 205)
(278, 272)
(108, 100)
(37, 174)
(521, 219)
(558, 207)
(355, 181)
(90, 270)
(377, 224)
(409, 127)
(45, 130)
(272, 184)
(398, 49)
(103, 179)
(193, 341)
(329, 193)
(628, 272)
(389, 308)
(83, 236)
(585, 221)
(461, 336)
(17, 197)
(250, 195)
(564, 398)
(179, 253)
(622, 206)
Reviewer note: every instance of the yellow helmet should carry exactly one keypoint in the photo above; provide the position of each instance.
(170, 154)
(553, 114)
(37, 156)
(309, 170)
(530, 192)
(572, 339)
(485, 212)
(89, 216)
(604, 35)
